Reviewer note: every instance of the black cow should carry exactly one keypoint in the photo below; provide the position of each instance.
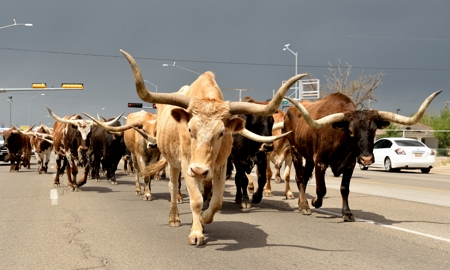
(105, 149)
(19, 148)
(247, 153)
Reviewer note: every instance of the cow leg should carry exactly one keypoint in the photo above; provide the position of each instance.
(261, 173)
(321, 188)
(174, 179)
(303, 205)
(345, 191)
(147, 188)
(268, 187)
(287, 176)
(250, 185)
(58, 168)
(39, 159)
(83, 178)
(241, 182)
(207, 192)
(136, 175)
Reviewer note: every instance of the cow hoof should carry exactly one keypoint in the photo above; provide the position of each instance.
(268, 193)
(114, 183)
(316, 203)
(56, 184)
(306, 212)
(194, 240)
(174, 223)
(39, 172)
(290, 196)
(277, 180)
(348, 218)
(148, 197)
(137, 192)
(179, 200)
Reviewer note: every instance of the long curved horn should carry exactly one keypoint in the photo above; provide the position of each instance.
(396, 118)
(59, 119)
(240, 107)
(109, 123)
(258, 138)
(112, 128)
(151, 140)
(163, 98)
(336, 117)
(277, 126)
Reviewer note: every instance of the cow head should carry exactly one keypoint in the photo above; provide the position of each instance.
(208, 121)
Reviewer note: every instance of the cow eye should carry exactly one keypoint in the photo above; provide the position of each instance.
(221, 134)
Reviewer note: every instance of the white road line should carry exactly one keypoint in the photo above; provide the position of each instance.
(390, 226)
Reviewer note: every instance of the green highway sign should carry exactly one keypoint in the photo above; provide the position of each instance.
(284, 102)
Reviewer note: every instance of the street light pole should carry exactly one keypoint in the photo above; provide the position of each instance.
(10, 100)
(153, 85)
(16, 24)
(29, 106)
(297, 94)
(174, 65)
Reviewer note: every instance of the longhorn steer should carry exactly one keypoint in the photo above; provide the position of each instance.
(106, 148)
(341, 138)
(247, 153)
(42, 148)
(195, 137)
(19, 148)
(280, 155)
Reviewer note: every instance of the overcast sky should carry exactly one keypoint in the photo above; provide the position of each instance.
(240, 41)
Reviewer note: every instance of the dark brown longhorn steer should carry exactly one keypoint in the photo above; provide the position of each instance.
(342, 137)
(194, 135)
(19, 148)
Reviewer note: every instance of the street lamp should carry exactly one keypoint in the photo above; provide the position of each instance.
(297, 88)
(153, 85)
(29, 106)
(16, 24)
(174, 65)
(10, 100)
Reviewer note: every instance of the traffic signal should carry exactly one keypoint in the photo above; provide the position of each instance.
(72, 85)
(38, 85)
(135, 105)
(154, 105)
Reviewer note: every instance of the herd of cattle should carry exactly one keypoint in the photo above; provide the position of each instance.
(200, 136)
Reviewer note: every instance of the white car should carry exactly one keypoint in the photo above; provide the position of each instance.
(394, 154)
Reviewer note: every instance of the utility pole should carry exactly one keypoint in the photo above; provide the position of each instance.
(446, 103)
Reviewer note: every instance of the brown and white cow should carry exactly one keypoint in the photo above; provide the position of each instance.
(41, 146)
(340, 137)
(19, 148)
(280, 155)
(195, 137)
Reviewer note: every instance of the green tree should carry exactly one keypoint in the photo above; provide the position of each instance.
(442, 123)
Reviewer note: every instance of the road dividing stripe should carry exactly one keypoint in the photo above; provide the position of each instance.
(389, 226)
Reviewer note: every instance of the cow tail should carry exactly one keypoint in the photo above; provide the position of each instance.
(154, 168)
(63, 166)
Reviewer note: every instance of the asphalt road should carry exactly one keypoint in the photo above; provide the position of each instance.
(106, 226)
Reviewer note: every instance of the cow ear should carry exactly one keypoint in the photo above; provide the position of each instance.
(382, 124)
(343, 125)
(180, 114)
(236, 124)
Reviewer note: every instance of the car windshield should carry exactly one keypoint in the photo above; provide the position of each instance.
(408, 143)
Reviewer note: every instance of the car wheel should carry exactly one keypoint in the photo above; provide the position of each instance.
(426, 170)
(362, 167)
(388, 165)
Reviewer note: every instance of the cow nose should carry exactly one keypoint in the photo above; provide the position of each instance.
(366, 160)
(199, 172)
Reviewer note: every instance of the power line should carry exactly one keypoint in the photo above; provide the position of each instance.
(224, 62)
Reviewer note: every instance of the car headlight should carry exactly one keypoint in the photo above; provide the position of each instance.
(400, 151)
